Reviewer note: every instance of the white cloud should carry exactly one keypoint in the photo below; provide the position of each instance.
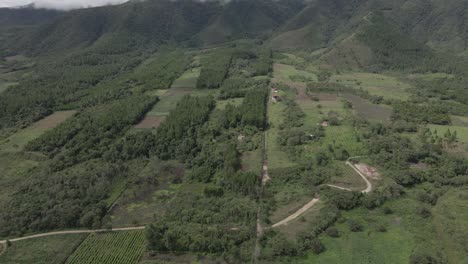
(60, 4)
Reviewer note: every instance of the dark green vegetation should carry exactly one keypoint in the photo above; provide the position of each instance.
(381, 84)
(53, 250)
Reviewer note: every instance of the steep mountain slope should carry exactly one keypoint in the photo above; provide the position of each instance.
(440, 24)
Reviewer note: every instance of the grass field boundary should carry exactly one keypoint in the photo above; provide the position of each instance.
(84, 231)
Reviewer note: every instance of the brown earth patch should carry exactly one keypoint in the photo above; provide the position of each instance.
(54, 119)
(151, 122)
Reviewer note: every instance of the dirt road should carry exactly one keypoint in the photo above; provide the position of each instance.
(297, 213)
(368, 183)
(73, 232)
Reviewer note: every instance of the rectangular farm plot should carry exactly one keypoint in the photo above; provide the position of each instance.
(276, 157)
(114, 248)
(368, 110)
(376, 84)
(151, 122)
(349, 179)
(462, 131)
(51, 249)
(17, 141)
(188, 79)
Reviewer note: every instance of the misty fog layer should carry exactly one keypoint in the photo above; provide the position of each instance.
(60, 4)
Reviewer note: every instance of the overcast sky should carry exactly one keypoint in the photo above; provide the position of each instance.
(60, 4)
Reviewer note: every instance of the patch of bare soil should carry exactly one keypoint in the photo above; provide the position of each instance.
(151, 122)
(54, 119)
(368, 171)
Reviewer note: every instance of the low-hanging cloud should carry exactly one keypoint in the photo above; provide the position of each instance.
(60, 4)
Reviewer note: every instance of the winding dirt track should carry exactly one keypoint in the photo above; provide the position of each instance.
(73, 232)
(297, 213)
(368, 183)
(316, 200)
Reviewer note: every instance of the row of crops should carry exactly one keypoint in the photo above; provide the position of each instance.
(113, 248)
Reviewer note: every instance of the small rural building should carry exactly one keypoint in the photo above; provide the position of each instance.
(275, 98)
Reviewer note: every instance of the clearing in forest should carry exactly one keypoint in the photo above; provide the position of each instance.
(349, 179)
(17, 141)
(369, 111)
(388, 87)
(52, 249)
(188, 79)
(113, 248)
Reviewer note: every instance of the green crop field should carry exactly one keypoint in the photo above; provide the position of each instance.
(15, 167)
(17, 141)
(188, 79)
(276, 157)
(343, 135)
(376, 84)
(168, 100)
(221, 104)
(368, 110)
(44, 250)
(114, 247)
(287, 73)
(350, 178)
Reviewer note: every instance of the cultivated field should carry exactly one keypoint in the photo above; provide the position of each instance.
(15, 168)
(188, 79)
(388, 87)
(368, 110)
(45, 250)
(17, 141)
(113, 248)
(221, 104)
(276, 157)
(349, 179)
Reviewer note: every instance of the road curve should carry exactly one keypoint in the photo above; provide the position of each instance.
(297, 213)
(368, 183)
(73, 232)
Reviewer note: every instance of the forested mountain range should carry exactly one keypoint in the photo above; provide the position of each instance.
(235, 131)
(307, 24)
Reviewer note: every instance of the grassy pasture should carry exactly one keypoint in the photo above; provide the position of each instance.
(451, 224)
(188, 79)
(113, 247)
(44, 250)
(376, 84)
(462, 131)
(315, 111)
(349, 178)
(252, 161)
(368, 110)
(460, 120)
(15, 168)
(287, 73)
(300, 224)
(276, 157)
(406, 232)
(17, 141)
(5, 85)
(221, 104)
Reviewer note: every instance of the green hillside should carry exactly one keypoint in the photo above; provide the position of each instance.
(235, 131)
